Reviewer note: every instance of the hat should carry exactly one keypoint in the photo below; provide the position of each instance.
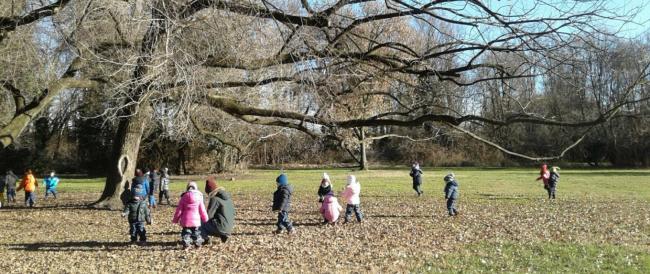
(192, 185)
(555, 169)
(138, 172)
(449, 177)
(326, 177)
(352, 179)
(282, 179)
(210, 184)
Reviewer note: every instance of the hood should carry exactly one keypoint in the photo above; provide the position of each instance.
(325, 183)
(352, 180)
(451, 177)
(222, 194)
(192, 186)
(287, 187)
(194, 197)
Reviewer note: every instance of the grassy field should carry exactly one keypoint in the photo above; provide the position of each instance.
(599, 223)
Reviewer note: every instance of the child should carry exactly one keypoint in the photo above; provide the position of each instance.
(51, 182)
(351, 194)
(282, 203)
(138, 213)
(190, 213)
(330, 209)
(164, 186)
(451, 193)
(325, 187)
(29, 184)
(544, 175)
(141, 183)
(416, 174)
(553, 179)
(10, 181)
(154, 183)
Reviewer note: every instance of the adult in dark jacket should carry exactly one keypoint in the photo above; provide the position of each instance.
(10, 183)
(553, 179)
(416, 174)
(282, 203)
(451, 193)
(221, 213)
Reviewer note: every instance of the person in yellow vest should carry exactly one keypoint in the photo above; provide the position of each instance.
(29, 184)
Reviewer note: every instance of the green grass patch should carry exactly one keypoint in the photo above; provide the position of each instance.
(542, 257)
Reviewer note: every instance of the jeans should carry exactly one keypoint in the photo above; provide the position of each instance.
(165, 194)
(11, 195)
(136, 229)
(451, 207)
(551, 192)
(191, 234)
(283, 221)
(30, 199)
(152, 200)
(52, 191)
(357, 211)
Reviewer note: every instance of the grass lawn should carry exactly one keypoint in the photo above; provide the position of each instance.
(599, 223)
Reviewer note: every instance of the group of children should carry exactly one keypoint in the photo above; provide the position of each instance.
(29, 184)
(550, 179)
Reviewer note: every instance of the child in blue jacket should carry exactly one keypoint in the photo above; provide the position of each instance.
(451, 193)
(51, 182)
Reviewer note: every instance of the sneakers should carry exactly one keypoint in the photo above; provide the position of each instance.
(292, 231)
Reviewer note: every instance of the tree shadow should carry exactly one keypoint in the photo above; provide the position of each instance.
(88, 246)
(398, 216)
(52, 207)
(502, 197)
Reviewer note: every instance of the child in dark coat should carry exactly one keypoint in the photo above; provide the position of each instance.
(10, 182)
(282, 203)
(138, 213)
(324, 188)
(416, 174)
(451, 193)
(553, 179)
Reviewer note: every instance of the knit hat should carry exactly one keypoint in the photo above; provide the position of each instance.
(138, 173)
(192, 186)
(326, 177)
(352, 179)
(449, 177)
(556, 169)
(282, 179)
(210, 184)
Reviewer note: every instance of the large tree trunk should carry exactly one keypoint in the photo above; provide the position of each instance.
(125, 156)
(363, 160)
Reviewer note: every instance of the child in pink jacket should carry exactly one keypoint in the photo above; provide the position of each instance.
(351, 194)
(189, 214)
(330, 209)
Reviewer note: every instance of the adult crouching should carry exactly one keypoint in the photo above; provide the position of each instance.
(221, 212)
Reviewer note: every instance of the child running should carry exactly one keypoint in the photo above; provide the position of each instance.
(451, 193)
(282, 204)
(51, 182)
(190, 213)
(138, 213)
(416, 174)
(544, 175)
(351, 194)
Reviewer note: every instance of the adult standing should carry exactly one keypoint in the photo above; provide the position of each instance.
(416, 174)
(221, 212)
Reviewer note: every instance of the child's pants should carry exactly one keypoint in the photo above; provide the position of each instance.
(30, 199)
(152, 200)
(357, 211)
(136, 229)
(283, 221)
(52, 191)
(551, 192)
(191, 234)
(165, 194)
(417, 187)
(451, 207)
(11, 195)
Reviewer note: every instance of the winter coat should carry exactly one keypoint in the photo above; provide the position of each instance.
(416, 174)
(544, 175)
(137, 211)
(28, 183)
(154, 182)
(143, 183)
(221, 211)
(330, 209)
(351, 193)
(451, 190)
(51, 182)
(282, 198)
(10, 181)
(553, 179)
(190, 211)
(323, 190)
(164, 183)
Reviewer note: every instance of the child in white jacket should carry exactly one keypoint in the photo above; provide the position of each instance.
(351, 195)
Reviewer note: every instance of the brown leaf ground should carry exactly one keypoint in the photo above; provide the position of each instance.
(400, 234)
